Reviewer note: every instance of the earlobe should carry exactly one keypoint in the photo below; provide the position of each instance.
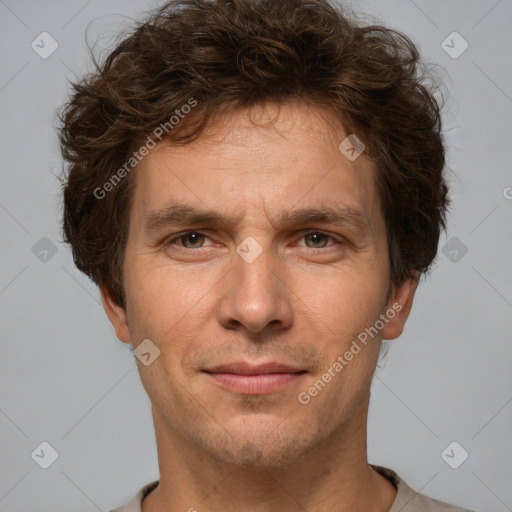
(115, 313)
(399, 306)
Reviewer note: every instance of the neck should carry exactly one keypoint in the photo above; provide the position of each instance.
(333, 476)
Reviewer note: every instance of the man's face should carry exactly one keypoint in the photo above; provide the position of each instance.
(262, 286)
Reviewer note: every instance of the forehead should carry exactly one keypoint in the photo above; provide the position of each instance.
(245, 165)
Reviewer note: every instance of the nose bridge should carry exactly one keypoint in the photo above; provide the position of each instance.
(256, 270)
(255, 295)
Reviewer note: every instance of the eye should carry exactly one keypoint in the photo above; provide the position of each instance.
(196, 240)
(317, 238)
(190, 240)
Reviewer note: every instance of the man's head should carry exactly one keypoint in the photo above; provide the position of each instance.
(256, 182)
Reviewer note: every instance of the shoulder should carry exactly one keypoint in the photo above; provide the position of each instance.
(408, 500)
(135, 503)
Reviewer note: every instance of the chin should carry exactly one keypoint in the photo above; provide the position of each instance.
(253, 448)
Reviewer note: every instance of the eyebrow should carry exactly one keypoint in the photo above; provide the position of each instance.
(179, 214)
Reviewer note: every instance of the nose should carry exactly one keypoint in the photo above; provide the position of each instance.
(255, 296)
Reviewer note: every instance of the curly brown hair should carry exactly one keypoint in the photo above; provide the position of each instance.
(232, 54)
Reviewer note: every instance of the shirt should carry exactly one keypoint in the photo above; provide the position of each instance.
(406, 500)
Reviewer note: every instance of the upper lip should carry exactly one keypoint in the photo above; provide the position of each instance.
(243, 368)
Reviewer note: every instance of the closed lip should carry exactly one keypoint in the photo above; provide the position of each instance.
(243, 368)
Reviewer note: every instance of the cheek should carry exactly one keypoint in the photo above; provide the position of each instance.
(345, 301)
(168, 304)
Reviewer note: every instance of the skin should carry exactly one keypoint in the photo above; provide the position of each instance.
(302, 301)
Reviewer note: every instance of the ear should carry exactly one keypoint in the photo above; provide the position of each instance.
(400, 302)
(116, 314)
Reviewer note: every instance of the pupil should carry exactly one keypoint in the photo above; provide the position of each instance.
(316, 238)
(191, 239)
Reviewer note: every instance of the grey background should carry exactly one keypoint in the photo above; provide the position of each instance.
(67, 380)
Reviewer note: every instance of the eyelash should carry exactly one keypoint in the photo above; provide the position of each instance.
(182, 235)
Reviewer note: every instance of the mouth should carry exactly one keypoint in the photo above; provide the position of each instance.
(247, 379)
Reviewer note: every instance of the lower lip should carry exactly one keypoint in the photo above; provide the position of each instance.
(255, 384)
